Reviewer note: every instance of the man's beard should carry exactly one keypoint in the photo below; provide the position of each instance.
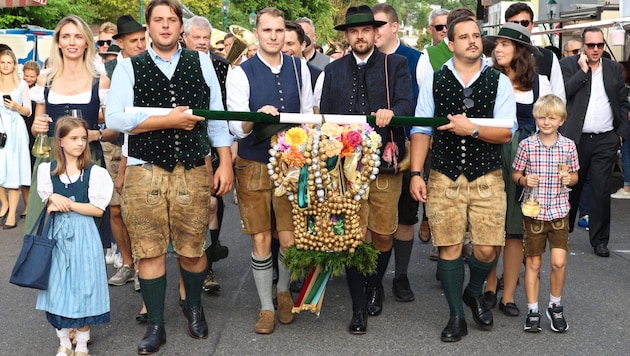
(367, 49)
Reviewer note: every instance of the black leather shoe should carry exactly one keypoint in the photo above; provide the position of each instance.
(375, 301)
(600, 250)
(455, 329)
(480, 311)
(509, 309)
(218, 252)
(152, 340)
(9, 227)
(491, 299)
(358, 324)
(402, 290)
(197, 326)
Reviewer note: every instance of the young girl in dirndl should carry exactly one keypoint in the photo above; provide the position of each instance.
(76, 191)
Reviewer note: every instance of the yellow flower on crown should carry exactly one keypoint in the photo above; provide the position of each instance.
(295, 136)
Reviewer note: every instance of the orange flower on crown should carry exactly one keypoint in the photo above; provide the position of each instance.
(294, 158)
(295, 136)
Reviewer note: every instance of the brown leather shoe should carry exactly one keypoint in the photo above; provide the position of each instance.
(424, 233)
(266, 322)
(285, 305)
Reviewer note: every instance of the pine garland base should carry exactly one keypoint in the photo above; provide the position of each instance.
(300, 262)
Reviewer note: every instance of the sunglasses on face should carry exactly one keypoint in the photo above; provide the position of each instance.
(219, 49)
(599, 45)
(439, 27)
(468, 102)
(574, 51)
(523, 23)
(102, 43)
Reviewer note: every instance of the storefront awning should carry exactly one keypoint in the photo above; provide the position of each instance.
(21, 3)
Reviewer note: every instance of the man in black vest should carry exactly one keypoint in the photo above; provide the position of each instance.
(466, 188)
(167, 190)
(597, 108)
(269, 82)
(367, 82)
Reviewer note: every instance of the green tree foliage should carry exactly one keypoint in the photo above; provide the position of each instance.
(47, 16)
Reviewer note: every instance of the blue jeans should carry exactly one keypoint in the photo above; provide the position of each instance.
(625, 156)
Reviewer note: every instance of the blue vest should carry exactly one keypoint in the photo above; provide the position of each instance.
(455, 155)
(187, 87)
(266, 88)
(413, 56)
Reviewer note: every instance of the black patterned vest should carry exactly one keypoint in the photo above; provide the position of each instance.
(455, 155)
(187, 87)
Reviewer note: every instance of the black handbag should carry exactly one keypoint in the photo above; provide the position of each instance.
(32, 268)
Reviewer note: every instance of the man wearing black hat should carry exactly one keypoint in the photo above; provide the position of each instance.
(131, 41)
(466, 188)
(378, 85)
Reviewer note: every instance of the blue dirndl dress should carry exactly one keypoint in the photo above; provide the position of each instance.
(77, 293)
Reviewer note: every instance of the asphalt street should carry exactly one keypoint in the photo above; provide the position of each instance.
(595, 300)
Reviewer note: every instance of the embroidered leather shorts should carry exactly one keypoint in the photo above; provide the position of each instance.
(258, 206)
(159, 205)
(479, 206)
(537, 232)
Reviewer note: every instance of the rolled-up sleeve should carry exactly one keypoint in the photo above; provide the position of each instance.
(218, 132)
(425, 107)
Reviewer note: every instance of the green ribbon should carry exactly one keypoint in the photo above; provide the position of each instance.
(303, 187)
(271, 119)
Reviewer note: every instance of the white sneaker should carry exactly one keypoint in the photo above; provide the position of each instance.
(110, 255)
(118, 261)
(621, 194)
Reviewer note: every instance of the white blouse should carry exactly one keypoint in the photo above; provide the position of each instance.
(100, 186)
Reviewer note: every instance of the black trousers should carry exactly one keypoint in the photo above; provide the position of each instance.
(596, 153)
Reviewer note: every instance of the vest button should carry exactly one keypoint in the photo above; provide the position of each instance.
(281, 99)
(176, 136)
(177, 143)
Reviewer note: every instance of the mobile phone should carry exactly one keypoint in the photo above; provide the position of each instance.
(6, 97)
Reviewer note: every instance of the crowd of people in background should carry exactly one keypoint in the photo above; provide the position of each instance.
(157, 179)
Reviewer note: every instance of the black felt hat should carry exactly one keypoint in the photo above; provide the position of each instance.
(359, 16)
(126, 24)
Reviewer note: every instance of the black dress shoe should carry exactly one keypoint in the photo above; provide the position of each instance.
(153, 339)
(600, 250)
(491, 299)
(402, 290)
(9, 227)
(197, 326)
(218, 252)
(480, 311)
(509, 309)
(375, 301)
(358, 324)
(142, 317)
(455, 329)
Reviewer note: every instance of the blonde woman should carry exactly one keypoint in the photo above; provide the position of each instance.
(15, 161)
(71, 83)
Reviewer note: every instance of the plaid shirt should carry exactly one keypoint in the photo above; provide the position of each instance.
(533, 157)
